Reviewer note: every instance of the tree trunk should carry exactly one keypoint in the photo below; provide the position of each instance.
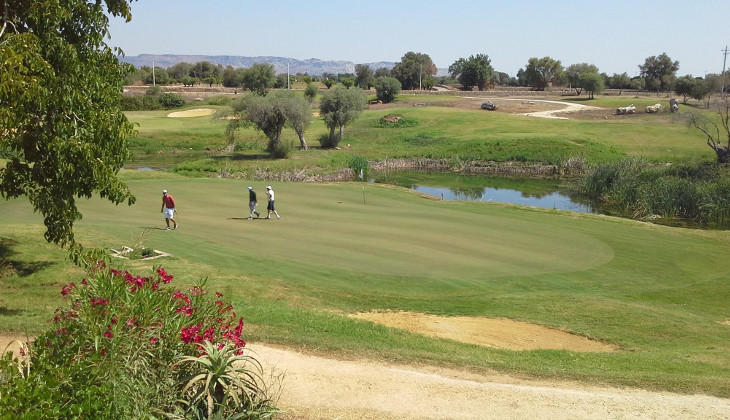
(342, 134)
(302, 142)
(723, 154)
(332, 141)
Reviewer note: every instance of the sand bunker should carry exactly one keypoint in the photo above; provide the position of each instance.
(198, 112)
(489, 332)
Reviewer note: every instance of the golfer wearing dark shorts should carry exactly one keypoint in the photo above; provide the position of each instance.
(270, 205)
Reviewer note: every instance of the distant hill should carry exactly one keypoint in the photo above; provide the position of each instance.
(311, 66)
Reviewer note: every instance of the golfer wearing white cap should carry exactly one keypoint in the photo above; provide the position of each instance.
(270, 206)
(252, 203)
(168, 208)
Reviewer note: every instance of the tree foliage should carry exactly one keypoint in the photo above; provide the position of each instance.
(365, 76)
(310, 92)
(685, 86)
(542, 72)
(265, 113)
(386, 88)
(592, 82)
(572, 72)
(270, 114)
(659, 72)
(473, 71)
(412, 68)
(339, 107)
(298, 111)
(259, 78)
(62, 128)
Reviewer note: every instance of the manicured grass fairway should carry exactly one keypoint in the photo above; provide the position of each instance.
(661, 294)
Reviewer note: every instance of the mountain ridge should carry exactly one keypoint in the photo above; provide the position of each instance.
(311, 66)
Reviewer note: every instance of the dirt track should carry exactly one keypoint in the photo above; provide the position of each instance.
(318, 388)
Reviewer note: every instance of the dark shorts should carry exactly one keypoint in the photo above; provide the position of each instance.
(270, 206)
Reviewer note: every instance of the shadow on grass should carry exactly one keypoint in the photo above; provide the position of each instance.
(585, 99)
(9, 266)
(10, 312)
(235, 157)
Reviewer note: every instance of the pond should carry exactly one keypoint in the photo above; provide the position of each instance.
(544, 193)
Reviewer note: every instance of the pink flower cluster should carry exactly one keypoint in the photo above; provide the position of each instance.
(138, 282)
(67, 288)
(220, 327)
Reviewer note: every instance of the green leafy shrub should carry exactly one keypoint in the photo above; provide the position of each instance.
(171, 100)
(359, 165)
(280, 150)
(122, 349)
(219, 100)
(140, 103)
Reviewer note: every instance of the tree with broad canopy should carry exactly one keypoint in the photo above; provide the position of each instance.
(542, 72)
(473, 71)
(659, 72)
(339, 107)
(62, 130)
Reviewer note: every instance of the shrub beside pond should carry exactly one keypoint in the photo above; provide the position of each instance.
(127, 346)
(692, 191)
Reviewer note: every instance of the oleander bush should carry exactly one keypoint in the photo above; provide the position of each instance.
(127, 346)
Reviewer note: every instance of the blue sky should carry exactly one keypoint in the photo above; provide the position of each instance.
(617, 36)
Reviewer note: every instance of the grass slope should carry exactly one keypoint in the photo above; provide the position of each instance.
(659, 293)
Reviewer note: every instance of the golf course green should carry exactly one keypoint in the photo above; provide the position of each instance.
(658, 294)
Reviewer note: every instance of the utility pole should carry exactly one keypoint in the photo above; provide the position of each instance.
(153, 72)
(420, 72)
(724, 60)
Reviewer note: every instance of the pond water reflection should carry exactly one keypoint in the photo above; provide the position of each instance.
(555, 200)
(544, 193)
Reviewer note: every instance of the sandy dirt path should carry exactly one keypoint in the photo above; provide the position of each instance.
(319, 388)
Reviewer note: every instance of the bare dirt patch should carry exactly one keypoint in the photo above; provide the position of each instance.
(489, 332)
(10, 343)
(323, 389)
(198, 112)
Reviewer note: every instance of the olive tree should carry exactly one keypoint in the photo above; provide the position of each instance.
(62, 130)
(298, 112)
(339, 107)
(542, 72)
(310, 92)
(412, 68)
(659, 72)
(574, 71)
(685, 86)
(386, 88)
(592, 82)
(365, 76)
(473, 71)
(716, 129)
(259, 78)
(265, 113)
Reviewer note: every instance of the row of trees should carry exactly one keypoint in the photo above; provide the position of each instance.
(417, 71)
(272, 112)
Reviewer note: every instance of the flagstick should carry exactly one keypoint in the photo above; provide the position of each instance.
(363, 185)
